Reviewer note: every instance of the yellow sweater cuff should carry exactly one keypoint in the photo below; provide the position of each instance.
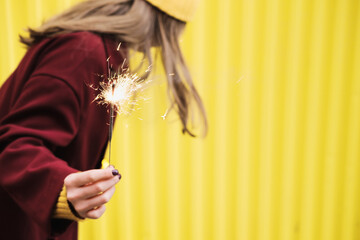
(62, 209)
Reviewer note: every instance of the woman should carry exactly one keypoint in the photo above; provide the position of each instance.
(52, 135)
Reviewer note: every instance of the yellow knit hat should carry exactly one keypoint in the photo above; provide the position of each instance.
(183, 10)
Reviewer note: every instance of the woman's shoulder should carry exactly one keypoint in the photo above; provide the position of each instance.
(79, 41)
(74, 58)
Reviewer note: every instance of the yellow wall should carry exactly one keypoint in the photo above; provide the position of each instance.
(281, 84)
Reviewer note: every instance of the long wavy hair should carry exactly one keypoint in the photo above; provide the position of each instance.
(141, 26)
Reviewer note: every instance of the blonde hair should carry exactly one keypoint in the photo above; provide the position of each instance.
(141, 26)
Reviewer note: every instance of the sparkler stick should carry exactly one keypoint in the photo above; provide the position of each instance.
(111, 125)
(118, 92)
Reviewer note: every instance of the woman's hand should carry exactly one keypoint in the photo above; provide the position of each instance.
(88, 191)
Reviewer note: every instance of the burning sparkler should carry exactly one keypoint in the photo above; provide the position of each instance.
(119, 92)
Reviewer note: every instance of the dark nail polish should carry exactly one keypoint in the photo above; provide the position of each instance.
(115, 172)
(119, 176)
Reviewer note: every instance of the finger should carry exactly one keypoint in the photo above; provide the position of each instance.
(96, 213)
(94, 189)
(90, 176)
(96, 201)
(76, 194)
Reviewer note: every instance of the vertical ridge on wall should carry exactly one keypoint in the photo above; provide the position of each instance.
(242, 183)
(245, 202)
(37, 11)
(312, 171)
(10, 34)
(270, 111)
(174, 171)
(281, 85)
(199, 167)
(317, 105)
(220, 127)
(335, 140)
(259, 192)
(293, 122)
(149, 173)
(351, 217)
(3, 45)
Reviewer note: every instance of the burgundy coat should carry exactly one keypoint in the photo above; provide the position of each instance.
(50, 127)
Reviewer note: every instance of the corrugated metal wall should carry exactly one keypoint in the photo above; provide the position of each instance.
(281, 84)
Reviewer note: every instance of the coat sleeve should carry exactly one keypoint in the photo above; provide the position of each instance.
(45, 116)
(45, 119)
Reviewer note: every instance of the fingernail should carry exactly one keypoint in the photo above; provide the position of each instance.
(115, 172)
(119, 176)
(111, 166)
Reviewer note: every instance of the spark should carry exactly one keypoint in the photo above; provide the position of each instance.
(149, 69)
(119, 91)
(240, 79)
(165, 114)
